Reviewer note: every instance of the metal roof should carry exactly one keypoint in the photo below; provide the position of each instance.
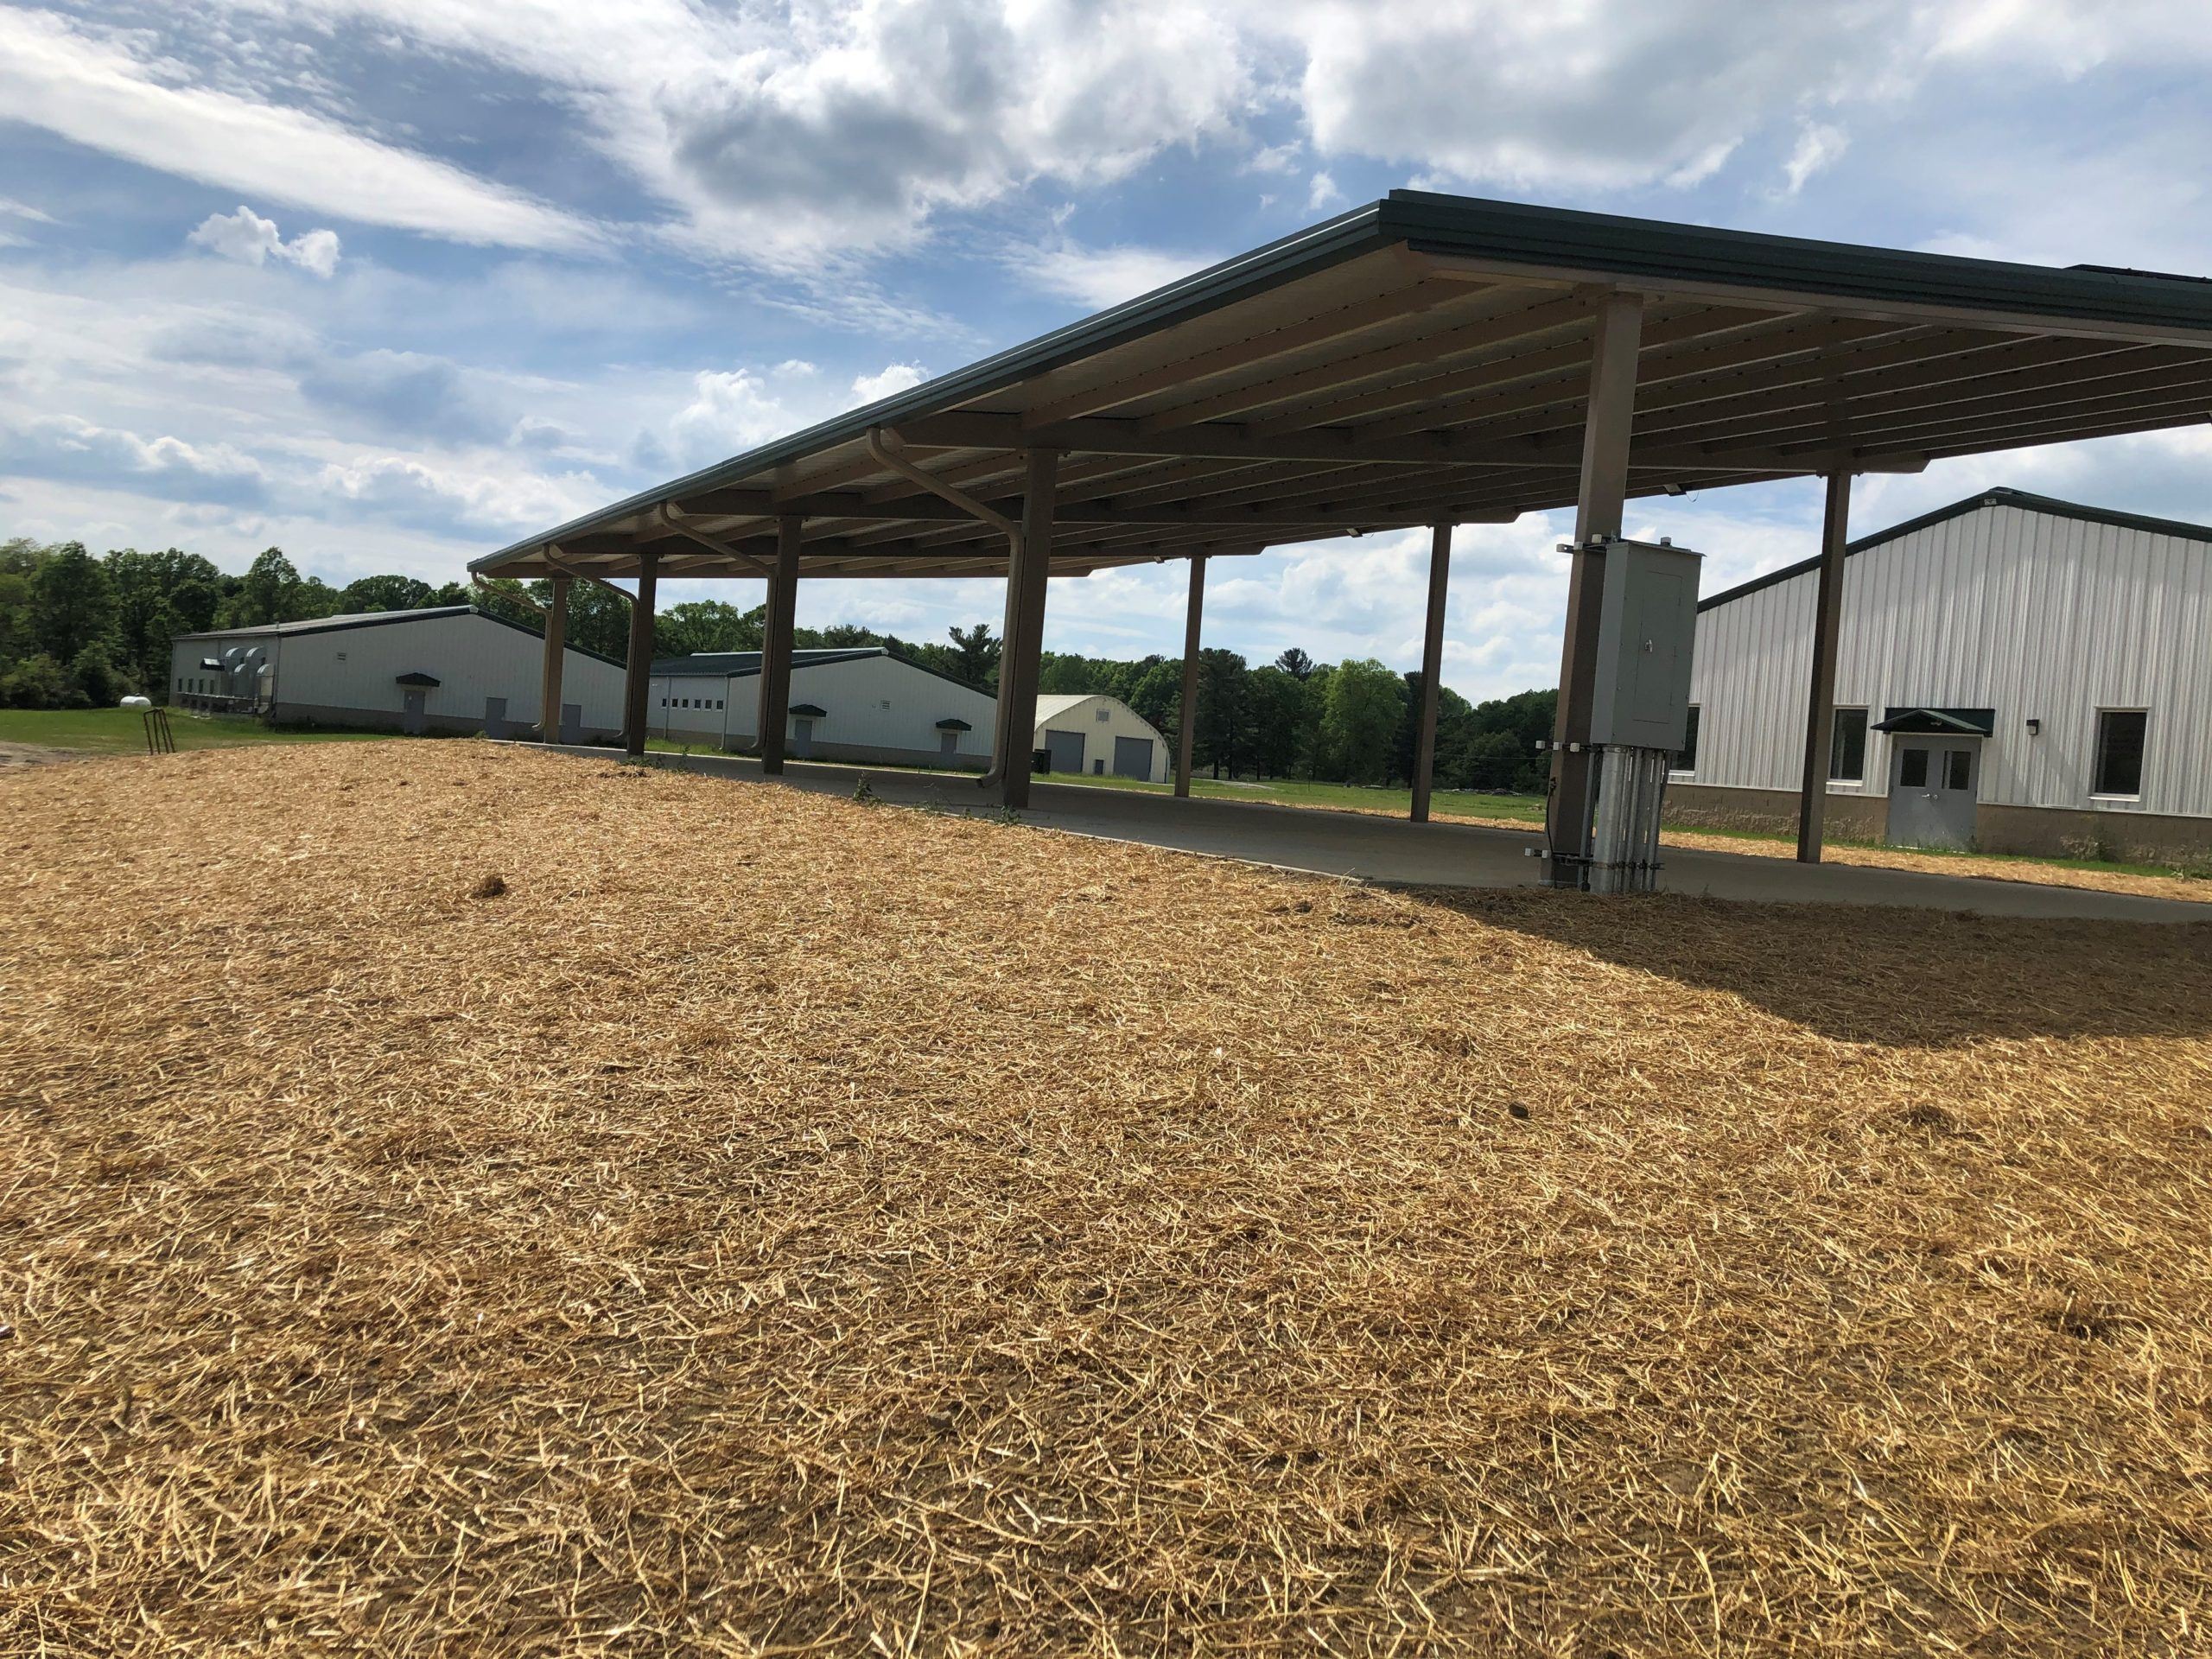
(381, 620)
(331, 624)
(2048, 505)
(733, 663)
(1427, 358)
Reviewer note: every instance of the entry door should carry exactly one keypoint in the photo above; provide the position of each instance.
(1066, 749)
(495, 717)
(803, 738)
(1932, 784)
(948, 742)
(411, 719)
(1133, 758)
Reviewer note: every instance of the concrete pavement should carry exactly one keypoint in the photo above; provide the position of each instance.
(1390, 850)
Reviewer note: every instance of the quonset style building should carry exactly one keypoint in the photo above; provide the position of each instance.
(2013, 673)
(449, 667)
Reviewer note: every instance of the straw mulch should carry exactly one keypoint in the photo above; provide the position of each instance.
(464, 1201)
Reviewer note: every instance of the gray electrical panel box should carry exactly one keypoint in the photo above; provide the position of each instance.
(1647, 624)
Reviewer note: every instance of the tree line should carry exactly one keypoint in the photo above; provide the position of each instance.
(1351, 722)
(79, 630)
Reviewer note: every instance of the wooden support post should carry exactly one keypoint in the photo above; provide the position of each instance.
(1018, 664)
(1186, 717)
(1820, 713)
(1600, 505)
(557, 655)
(638, 670)
(776, 644)
(1431, 670)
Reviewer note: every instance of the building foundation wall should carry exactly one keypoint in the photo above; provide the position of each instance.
(2036, 831)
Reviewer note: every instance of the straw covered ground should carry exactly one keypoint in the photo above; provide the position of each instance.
(464, 1201)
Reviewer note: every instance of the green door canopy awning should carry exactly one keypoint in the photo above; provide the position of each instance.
(808, 710)
(953, 726)
(1939, 722)
(416, 679)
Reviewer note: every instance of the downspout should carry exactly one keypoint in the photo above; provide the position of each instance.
(883, 455)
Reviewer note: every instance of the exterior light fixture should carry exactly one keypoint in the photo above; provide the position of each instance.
(2035, 727)
(1676, 489)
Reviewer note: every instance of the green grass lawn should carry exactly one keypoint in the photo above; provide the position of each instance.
(122, 731)
(1344, 797)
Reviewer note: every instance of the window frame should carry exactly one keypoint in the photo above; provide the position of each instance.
(2097, 753)
(1693, 734)
(1865, 714)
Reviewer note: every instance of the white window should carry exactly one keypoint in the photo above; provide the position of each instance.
(2120, 736)
(1847, 747)
(1105, 715)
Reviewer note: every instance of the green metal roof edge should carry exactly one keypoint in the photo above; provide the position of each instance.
(1523, 234)
(1963, 721)
(1512, 233)
(311, 626)
(1996, 497)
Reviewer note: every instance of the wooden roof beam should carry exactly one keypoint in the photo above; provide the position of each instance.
(1416, 296)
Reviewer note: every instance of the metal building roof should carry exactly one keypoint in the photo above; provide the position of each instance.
(2048, 505)
(1427, 358)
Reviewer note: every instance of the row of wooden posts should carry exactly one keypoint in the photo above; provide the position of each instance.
(1600, 508)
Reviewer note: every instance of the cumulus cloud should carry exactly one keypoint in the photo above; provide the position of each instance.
(65, 448)
(251, 239)
(891, 379)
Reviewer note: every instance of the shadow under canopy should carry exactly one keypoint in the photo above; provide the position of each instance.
(1894, 977)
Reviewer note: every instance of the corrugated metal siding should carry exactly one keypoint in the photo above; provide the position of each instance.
(855, 692)
(471, 658)
(2031, 614)
(1081, 714)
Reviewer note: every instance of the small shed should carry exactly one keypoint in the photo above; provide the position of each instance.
(1092, 735)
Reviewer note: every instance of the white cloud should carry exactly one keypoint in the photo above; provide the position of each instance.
(1818, 145)
(95, 93)
(1098, 277)
(1322, 193)
(251, 239)
(67, 448)
(438, 498)
(12, 209)
(893, 378)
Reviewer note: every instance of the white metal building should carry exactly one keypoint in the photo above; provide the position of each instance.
(2013, 673)
(1096, 736)
(450, 668)
(857, 704)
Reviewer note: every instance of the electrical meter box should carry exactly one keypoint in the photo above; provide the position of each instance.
(1647, 626)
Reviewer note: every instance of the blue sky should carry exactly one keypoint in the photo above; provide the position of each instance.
(390, 283)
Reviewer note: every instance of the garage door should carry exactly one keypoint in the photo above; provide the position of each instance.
(1066, 749)
(1133, 758)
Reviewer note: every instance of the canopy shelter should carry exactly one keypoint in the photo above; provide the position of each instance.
(1425, 360)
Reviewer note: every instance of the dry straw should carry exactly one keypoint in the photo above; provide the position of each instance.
(777, 1224)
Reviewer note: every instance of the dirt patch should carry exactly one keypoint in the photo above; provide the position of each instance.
(773, 1223)
(16, 756)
